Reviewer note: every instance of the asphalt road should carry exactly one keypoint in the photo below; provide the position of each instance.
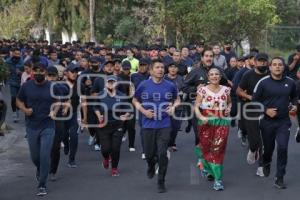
(90, 181)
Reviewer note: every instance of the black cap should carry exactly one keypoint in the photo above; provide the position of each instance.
(126, 65)
(72, 67)
(94, 59)
(109, 62)
(52, 70)
(111, 78)
(144, 61)
(242, 58)
(171, 64)
(251, 55)
(262, 56)
(117, 60)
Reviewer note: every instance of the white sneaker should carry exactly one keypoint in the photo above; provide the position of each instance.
(143, 156)
(91, 141)
(97, 147)
(260, 172)
(132, 149)
(239, 133)
(168, 154)
(251, 157)
(124, 138)
(15, 117)
(156, 171)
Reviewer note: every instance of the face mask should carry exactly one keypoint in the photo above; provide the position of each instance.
(39, 78)
(108, 74)
(95, 67)
(228, 48)
(15, 59)
(71, 81)
(262, 69)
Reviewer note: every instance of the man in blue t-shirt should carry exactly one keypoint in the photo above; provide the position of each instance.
(35, 100)
(156, 99)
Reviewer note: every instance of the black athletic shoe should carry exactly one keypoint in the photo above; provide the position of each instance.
(210, 177)
(151, 172)
(161, 188)
(66, 149)
(188, 128)
(279, 183)
(244, 140)
(297, 136)
(267, 170)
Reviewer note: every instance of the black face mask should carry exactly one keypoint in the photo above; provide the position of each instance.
(39, 78)
(71, 81)
(262, 69)
(228, 48)
(108, 74)
(95, 67)
(15, 59)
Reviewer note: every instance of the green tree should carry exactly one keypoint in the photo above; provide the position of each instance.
(17, 19)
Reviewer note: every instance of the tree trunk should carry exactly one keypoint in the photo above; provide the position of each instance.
(74, 36)
(65, 36)
(92, 21)
(48, 35)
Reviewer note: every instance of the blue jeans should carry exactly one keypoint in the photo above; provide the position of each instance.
(40, 145)
(71, 131)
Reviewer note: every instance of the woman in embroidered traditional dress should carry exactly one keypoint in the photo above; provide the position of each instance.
(212, 107)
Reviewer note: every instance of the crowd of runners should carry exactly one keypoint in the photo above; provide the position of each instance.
(64, 89)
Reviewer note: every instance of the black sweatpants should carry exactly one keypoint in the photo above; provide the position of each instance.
(111, 139)
(242, 121)
(254, 137)
(156, 145)
(55, 153)
(130, 127)
(276, 130)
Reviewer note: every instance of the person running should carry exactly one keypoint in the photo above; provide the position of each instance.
(212, 106)
(126, 88)
(136, 79)
(156, 99)
(87, 90)
(15, 64)
(278, 96)
(248, 65)
(110, 119)
(245, 91)
(35, 100)
(198, 76)
(52, 76)
(71, 125)
(173, 77)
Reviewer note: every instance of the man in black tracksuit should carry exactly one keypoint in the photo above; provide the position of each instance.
(277, 93)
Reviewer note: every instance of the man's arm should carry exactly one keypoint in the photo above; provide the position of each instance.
(21, 105)
(293, 61)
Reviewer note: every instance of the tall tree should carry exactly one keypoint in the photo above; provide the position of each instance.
(92, 20)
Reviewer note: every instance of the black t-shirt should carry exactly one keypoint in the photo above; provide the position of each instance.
(249, 81)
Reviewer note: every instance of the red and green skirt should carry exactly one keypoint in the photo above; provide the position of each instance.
(211, 149)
